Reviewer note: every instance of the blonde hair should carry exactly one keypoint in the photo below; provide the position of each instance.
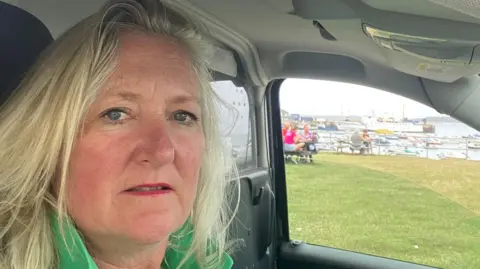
(41, 120)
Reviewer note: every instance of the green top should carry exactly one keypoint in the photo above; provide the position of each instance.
(76, 256)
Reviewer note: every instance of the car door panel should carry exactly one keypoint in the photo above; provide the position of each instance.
(297, 254)
(253, 220)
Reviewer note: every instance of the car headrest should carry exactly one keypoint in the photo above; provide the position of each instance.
(23, 37)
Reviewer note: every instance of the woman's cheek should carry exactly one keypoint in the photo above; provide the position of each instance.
(191, 147)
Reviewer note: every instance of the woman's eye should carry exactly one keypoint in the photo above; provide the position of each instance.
(184, 117)
(115, 115)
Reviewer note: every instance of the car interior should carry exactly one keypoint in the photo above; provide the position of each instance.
(425, 50)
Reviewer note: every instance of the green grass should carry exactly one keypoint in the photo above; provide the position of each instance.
(410, 209)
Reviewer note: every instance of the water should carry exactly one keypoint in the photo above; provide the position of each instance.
(456, 130)
(453, 129)
(452, 147)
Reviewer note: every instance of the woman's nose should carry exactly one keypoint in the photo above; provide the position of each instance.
(159, 147)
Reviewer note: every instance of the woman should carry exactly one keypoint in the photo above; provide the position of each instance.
(291, 138)
(307, 135)
(308, 138)
(110, 149)
(367, 141)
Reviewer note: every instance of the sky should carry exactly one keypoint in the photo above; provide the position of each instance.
(317, 97)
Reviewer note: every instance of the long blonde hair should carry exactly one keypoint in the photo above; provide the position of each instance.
(41, 120)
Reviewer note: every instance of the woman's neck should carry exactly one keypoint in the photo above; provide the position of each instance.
(113, 254)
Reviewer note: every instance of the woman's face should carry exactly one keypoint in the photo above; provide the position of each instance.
(134, 170)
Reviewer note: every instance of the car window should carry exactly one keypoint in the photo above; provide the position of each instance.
(385, 175)
(235, 123)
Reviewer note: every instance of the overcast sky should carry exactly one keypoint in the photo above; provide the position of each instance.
(304, 96)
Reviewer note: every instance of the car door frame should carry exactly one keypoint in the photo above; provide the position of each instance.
(252, 224)
(294, 253)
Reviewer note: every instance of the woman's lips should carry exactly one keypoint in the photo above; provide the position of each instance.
(150, 189)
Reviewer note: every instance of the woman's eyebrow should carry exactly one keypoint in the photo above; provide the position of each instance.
(180, 99)
(125, 95)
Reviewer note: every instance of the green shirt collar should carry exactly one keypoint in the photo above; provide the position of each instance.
(74, 255)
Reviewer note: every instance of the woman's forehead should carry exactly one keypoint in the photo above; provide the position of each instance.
(153, 54)
(149, 65)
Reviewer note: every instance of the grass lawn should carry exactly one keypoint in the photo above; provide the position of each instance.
(412, 209)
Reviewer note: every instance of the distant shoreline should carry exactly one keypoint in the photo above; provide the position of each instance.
(444, 119)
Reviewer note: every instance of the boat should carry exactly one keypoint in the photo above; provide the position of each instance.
(328, 126)
(433, 141)
(403, 151)
(451, 155)
(350, 125)
(392, 137)
(381, 141)
(374, 124)
(414, 140)
(474, 145)
(384, 132)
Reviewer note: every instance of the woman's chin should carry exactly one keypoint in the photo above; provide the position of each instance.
(151, 229)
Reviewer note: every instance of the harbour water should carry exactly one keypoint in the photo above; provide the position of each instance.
(455, 130)
(450, 141)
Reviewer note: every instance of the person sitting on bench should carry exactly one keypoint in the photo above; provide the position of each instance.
(307, 137)
(367, 141)
(290, 139)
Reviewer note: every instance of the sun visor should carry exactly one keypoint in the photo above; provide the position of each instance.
(441, 59)
(443, 51)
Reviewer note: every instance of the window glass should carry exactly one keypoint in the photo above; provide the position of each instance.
(235, 123)
(407, 188)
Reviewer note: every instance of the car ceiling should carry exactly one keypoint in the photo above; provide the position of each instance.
(293, 38)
